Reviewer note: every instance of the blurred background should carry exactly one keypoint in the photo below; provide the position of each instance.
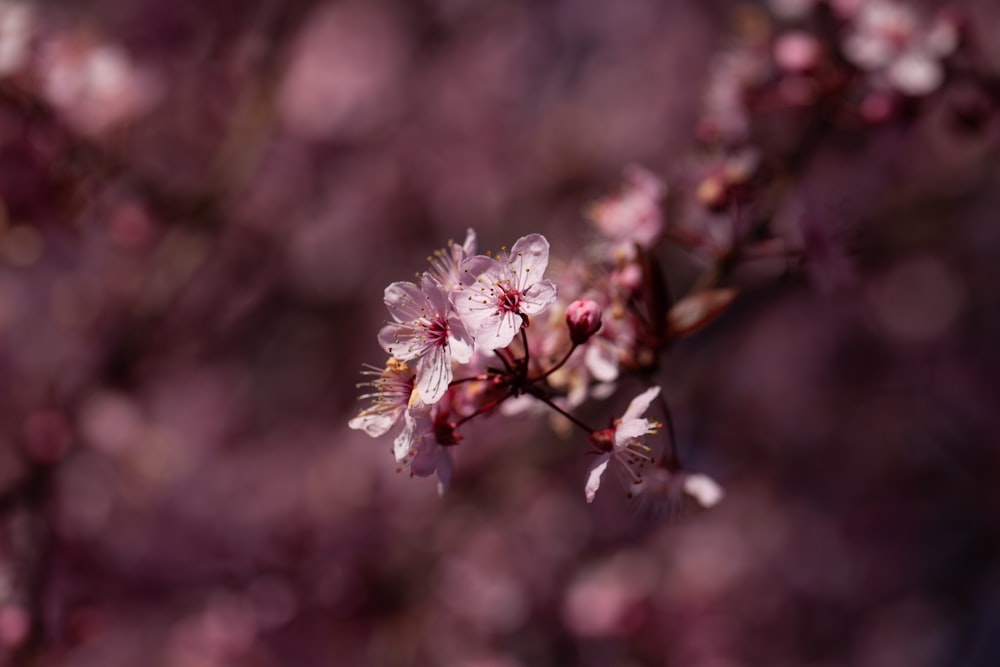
(202, 202)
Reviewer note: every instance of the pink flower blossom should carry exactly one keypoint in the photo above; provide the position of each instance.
(417, 449)
(499, 290)
(446, 264)
(622, 443)
(422, 428)
(425, 329)
(393, 394)
(633, 215)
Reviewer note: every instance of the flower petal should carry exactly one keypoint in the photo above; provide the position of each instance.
(402, 446)
(374, 423)
(475, 266)
(469, 246)
(434, 295)
(538, 297)
(434, 374)
(528, 259)
(401, 341)
(597, 469)
(705, 490)
(629, 430)
(404, 301)
(498, 332)
(640, 404)
(601, 359)
(460, 341)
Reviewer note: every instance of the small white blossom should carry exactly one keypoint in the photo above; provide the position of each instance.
(499, 290)
(624, 444)
(446, 264)
(393, 394)
(425, 329)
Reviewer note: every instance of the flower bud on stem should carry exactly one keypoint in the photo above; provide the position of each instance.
(583, 317)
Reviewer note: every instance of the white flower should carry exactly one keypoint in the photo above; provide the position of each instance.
(499, 290)
(446, 264)
(417, 450)
(393, 394)
(632, 215)
(425, 329)
(622, 443)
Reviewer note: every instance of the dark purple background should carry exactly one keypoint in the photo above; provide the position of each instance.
(192, 256)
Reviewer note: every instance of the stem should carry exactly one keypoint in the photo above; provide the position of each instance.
(486, 408)
(673, 461)
(524, 342)
(474, 378)
(565, 414)
(506, 362)
(558, 365)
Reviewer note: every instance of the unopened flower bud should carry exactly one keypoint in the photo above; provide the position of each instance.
(583, 317)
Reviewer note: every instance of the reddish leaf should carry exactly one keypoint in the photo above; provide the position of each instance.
(695, 311)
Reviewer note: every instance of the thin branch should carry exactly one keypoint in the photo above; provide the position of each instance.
(558, 365)
(555, 407)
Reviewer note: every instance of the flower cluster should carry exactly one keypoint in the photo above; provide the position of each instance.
(465, 308)
(504, 332)
(459, 340)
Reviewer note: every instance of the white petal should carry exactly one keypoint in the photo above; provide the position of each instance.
(529, 257)
(473, 307)
(538, 297)
(473, 267)
(405, 440)
(404, 300)
(640, 404)
(601, 359)
(460, 341)
(704, 490)
(597, 469)
(374, 424)
(434, 295)
(400, 341)
(469, 247)
(434, 374)
(630, 429)
(491, 329)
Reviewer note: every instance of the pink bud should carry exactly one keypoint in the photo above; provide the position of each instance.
(583, 317)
